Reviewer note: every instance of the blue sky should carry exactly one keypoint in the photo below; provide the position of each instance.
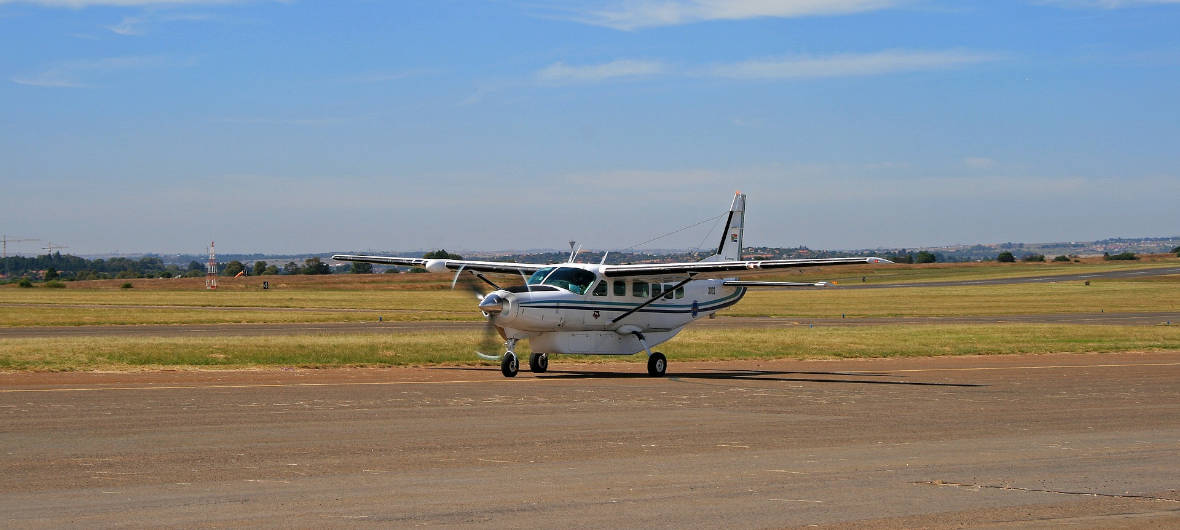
(141, 125)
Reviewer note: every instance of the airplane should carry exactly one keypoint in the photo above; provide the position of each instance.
(600, 309)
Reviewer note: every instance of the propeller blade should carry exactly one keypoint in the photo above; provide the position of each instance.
(488, 342)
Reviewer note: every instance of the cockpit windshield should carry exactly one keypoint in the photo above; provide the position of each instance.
(573, 279)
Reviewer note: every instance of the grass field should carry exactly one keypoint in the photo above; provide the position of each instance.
(427, 297)
(65, 307)
(421, 348)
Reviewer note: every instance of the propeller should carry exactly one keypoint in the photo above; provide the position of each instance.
(487, 340)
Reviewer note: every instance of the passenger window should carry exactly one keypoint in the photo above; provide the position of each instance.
(668, 291)
(656, 289)
(600, 289)
(620, 288)
(679, 292)
(639, 289)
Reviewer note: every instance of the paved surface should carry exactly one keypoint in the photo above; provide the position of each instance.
(1085, 440)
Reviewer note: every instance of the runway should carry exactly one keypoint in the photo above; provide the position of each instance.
(1088, 440)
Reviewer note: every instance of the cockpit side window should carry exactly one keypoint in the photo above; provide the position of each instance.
(570, 278)
(539, 276)
(600, 289)
(620, 288)
(639, 289)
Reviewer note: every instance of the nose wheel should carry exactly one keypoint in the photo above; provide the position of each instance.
(657, 364)
(539, 363)
(509, 364)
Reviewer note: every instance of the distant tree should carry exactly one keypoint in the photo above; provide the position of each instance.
(193, 274)
(233, 268)
(291, 268)
(902, 258)
(24, 282)
(1125, 256)
(126, 285)
(362, 268)
(51, 274)
(1006, 257)
(417, 270)
(1176, 251)
(271, 270)
(1033, 257)
(393, 270)
(441, 254)
(259, 268)
(195, 266)
(925, 257)
(166, 274)
(315, 266)
(1062, 258)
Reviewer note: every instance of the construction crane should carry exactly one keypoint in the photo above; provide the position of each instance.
(7, 240)
(50, 246)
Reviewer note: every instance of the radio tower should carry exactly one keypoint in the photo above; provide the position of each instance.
(211, 269)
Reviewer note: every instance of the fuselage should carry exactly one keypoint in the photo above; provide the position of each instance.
(575, 298)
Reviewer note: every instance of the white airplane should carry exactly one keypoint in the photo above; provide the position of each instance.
(599, 309)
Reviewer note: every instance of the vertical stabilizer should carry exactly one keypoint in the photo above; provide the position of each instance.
(730, 247)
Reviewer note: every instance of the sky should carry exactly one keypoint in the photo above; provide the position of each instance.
(351, 125)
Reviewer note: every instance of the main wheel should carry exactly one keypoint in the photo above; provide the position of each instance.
(509, 365)
(539, 362)
(657, 364)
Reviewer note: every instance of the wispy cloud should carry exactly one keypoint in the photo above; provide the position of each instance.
(631, 15)
(329, 120)
(80, 74)
(849, 64)
(979, 162)
(788, 67)
(139, 24)
(560, 72)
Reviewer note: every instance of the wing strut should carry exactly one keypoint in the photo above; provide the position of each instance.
(650, 300)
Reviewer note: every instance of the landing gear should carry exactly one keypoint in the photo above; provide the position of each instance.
(657, 364)
(539, 362)
(509, 364)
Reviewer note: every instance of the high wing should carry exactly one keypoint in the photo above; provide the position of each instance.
(728, 269)
(441, 265)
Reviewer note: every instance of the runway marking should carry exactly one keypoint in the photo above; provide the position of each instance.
(983, 368)
(1035, 490)
(506, 380)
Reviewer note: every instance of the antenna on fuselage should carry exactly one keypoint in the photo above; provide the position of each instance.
(573, 253)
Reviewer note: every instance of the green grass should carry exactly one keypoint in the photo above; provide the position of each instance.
(423, 348)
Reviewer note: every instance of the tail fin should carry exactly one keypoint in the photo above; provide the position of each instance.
(730, 248)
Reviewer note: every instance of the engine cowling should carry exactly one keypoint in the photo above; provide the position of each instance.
(436, 265)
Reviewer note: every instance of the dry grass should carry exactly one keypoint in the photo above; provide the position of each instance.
(424, 348)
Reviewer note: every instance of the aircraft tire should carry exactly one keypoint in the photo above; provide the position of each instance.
(509, 365)
(539, 363)
(657, 364)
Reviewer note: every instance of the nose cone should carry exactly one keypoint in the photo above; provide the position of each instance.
(492, 303)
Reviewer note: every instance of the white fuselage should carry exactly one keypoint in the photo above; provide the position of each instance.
(573, 308)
